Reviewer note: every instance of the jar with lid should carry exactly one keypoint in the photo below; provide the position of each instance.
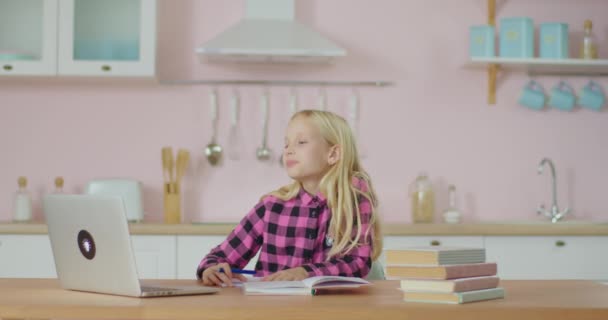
(422, 198)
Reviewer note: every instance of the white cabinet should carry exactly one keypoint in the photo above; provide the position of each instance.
(107, 38)
(28, 37)
(155, 256)
(396, 242)
(78, 37)
(549, 257)
(26, 256)
(31, 256)
(191, 249)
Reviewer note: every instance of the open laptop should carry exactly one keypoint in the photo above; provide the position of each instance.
(92, 247)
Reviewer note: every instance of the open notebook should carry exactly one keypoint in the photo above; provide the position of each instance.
(307, 286)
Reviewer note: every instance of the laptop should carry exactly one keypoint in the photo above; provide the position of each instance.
(92, 247)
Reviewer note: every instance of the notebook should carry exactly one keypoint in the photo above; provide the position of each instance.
(435, 256)
(308, 286)
(92, 247)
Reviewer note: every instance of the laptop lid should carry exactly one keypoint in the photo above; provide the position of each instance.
(91, 244)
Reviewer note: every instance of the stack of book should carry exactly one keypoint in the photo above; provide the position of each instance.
(444, 274)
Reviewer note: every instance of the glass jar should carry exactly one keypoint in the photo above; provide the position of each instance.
(422, 197)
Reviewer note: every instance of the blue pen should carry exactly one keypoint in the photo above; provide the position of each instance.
(239, 271)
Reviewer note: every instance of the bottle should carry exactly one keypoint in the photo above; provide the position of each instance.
(423, 200)
(589, 46)
(451, 214)
(22, 208)
(58, 185)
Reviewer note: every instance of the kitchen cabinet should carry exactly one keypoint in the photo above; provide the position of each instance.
(114, 38)
(26, 256)
(155, 256)
(31, 256)
(549, 257)
(28, 37)
(171, 256)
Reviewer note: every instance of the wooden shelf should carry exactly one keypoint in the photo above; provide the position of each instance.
(538, 66)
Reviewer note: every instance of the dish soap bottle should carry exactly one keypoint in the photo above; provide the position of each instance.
(451, 214)
(22, 209)
(423, 200)
(589, 47)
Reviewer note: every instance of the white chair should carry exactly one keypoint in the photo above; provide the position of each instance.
(376, 272)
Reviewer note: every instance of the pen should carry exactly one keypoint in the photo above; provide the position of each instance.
(239, 271)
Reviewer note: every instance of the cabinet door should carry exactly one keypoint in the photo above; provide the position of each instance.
(191, 249)
(26, 256)
(155, 256)
(554, 257)
(28, 37)
(107, 38)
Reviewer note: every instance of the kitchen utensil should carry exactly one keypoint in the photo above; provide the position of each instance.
(213, 151)
(183, 158)
(322, 99)
(234, 137)
(263, 153)
(354, 115)
(293, 108)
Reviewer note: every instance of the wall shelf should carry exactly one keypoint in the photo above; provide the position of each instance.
(538, 66)
(532, 66)
(245, 82)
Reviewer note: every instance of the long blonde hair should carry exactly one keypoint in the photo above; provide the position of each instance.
(337, 186)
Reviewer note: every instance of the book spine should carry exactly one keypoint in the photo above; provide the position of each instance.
(470, 270)
(475, 284)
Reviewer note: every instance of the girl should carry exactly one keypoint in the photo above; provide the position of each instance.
(323, 223)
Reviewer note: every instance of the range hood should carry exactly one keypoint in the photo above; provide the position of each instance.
(269, 33)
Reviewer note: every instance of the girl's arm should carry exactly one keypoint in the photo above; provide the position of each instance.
(358, 261)
(241, 244)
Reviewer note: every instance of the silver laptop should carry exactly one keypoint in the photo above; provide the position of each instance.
(92, 247)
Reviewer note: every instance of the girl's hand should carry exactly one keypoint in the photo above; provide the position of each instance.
(213, 277)
(292, 274)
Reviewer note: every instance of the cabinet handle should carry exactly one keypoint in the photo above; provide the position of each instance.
(435, 243)
(106, 68)
(7, 67)
(560, 243)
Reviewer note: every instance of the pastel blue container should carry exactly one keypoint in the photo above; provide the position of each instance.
(516, 37)
(553, 40)
(481, 41)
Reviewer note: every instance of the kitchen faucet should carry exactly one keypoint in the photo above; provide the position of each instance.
(554, 213)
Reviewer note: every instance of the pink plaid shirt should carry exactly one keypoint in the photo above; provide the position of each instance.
(291, 234)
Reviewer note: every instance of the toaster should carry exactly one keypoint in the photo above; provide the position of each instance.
(130, 191)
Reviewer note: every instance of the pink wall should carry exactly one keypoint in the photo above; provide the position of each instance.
(435, 118)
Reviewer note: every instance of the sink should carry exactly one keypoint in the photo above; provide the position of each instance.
(544, 222)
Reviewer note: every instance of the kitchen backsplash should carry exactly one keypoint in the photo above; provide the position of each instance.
(434, 119)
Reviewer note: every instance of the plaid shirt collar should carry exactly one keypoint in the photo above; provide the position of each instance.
(309, 200)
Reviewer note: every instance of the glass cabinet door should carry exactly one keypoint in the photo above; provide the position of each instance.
(109, 37)
(28, 37)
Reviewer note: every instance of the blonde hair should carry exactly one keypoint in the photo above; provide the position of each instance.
(337, 186)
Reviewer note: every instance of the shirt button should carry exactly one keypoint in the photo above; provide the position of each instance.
(313, 213)
(312, 235)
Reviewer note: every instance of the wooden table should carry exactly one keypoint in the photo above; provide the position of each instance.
(550, 300)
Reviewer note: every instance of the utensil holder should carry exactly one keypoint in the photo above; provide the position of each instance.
(172, 203)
